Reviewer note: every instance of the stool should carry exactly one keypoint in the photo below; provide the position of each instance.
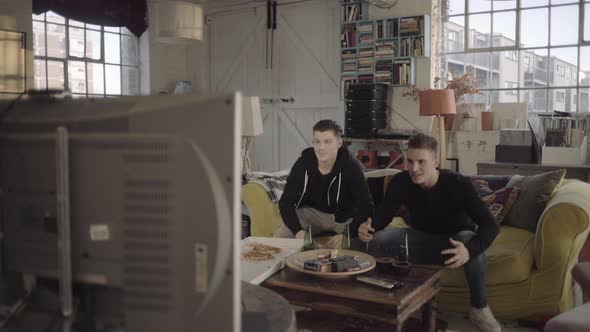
(576, 319)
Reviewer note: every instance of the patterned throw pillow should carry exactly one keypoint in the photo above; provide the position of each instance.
(500, 202)
(482, 187)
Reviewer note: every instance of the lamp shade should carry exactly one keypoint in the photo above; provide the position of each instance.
(437, 102)
(178, 21)
(251, 116)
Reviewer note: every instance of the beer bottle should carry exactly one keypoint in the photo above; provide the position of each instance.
(308, 239)
(346, 238)
(403, 250)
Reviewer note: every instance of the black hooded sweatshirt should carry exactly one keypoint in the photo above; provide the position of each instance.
(343, 192)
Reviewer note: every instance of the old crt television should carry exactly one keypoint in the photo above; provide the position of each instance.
(153, 202)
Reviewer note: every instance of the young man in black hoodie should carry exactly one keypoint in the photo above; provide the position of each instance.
(325, 188)
(449, 223)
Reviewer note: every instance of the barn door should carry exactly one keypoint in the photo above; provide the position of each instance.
(302, 86)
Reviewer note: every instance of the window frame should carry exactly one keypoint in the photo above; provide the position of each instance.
(511, 88)
(560, 96)
(464, 15)
(67, 24)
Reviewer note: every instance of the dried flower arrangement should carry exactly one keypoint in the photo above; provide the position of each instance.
(464, 84)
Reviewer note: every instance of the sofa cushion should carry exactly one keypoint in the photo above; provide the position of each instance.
(510, 259)
(495, 182)
(535, 192)
(500, 202)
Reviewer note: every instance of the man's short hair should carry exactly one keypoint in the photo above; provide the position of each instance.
(325, 125)
(423, 141)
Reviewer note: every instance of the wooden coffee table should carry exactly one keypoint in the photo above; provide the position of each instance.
(351, 298)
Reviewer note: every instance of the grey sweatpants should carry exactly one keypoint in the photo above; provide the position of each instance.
(320, 222)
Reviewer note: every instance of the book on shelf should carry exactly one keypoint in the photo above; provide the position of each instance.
(411, 26)
(384, 49)
(386, 28)
(412, 46)
(348, 36)
(348, 55)
(380, 50)
(346, 81)
(365, 53)
(351, 13)
(402, 71)
(365, 78)
(365, 27)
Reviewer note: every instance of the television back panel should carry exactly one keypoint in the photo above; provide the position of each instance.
(157, 216)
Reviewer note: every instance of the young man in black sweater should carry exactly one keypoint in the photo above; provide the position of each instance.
(325, 188)
(449, 223)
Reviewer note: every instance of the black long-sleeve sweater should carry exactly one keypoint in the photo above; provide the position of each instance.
(452, 205)
(343, 192)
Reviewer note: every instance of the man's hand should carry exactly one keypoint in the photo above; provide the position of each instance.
(335, 242)
(460, 255)
(365, 231)
(300, 234)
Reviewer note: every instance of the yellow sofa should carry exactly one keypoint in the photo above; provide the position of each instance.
(528, 274)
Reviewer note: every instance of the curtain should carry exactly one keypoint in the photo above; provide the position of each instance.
(128, 13)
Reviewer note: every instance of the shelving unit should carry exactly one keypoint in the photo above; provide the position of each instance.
(382, 50)
(384, 141)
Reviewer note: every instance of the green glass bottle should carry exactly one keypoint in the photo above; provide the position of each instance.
(308, 239)
(346, 245)
(404, 250)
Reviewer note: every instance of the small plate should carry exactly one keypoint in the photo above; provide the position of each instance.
(295, 262)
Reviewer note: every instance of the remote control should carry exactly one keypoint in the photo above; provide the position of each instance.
(379, 282)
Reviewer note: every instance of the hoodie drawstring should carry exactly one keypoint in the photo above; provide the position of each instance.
(338, 192)
(304, 188)
(339, 183)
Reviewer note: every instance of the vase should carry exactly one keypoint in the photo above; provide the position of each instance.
(487, 121)
(468, 111)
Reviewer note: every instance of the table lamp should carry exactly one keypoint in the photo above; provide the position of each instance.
(438, 103)
(251, 127)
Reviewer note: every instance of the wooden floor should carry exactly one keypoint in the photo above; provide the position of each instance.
(310, 320)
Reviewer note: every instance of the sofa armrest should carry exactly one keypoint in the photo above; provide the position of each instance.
(265, 218)
(563, 227)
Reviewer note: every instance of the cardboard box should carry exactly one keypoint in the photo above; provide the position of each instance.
(561, 155)
(474, 147)
(517, 137)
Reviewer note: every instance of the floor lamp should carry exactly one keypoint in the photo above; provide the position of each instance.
(439, 103)
(251, 127)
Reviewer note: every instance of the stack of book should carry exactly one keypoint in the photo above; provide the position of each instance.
(365, 34)
(383, 69)
(348, 62)
(411, 26)
(365, 62)
(384, 49)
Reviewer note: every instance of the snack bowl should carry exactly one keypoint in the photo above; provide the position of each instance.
(384, 264)
(401, 268)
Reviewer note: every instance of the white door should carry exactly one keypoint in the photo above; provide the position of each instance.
(305, 69)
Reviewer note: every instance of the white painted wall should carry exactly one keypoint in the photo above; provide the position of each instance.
(169, 62)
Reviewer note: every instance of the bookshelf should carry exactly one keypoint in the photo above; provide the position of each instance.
(382, 50)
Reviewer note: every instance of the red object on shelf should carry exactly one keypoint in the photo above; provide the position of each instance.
(368, 158)
(399, 164)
